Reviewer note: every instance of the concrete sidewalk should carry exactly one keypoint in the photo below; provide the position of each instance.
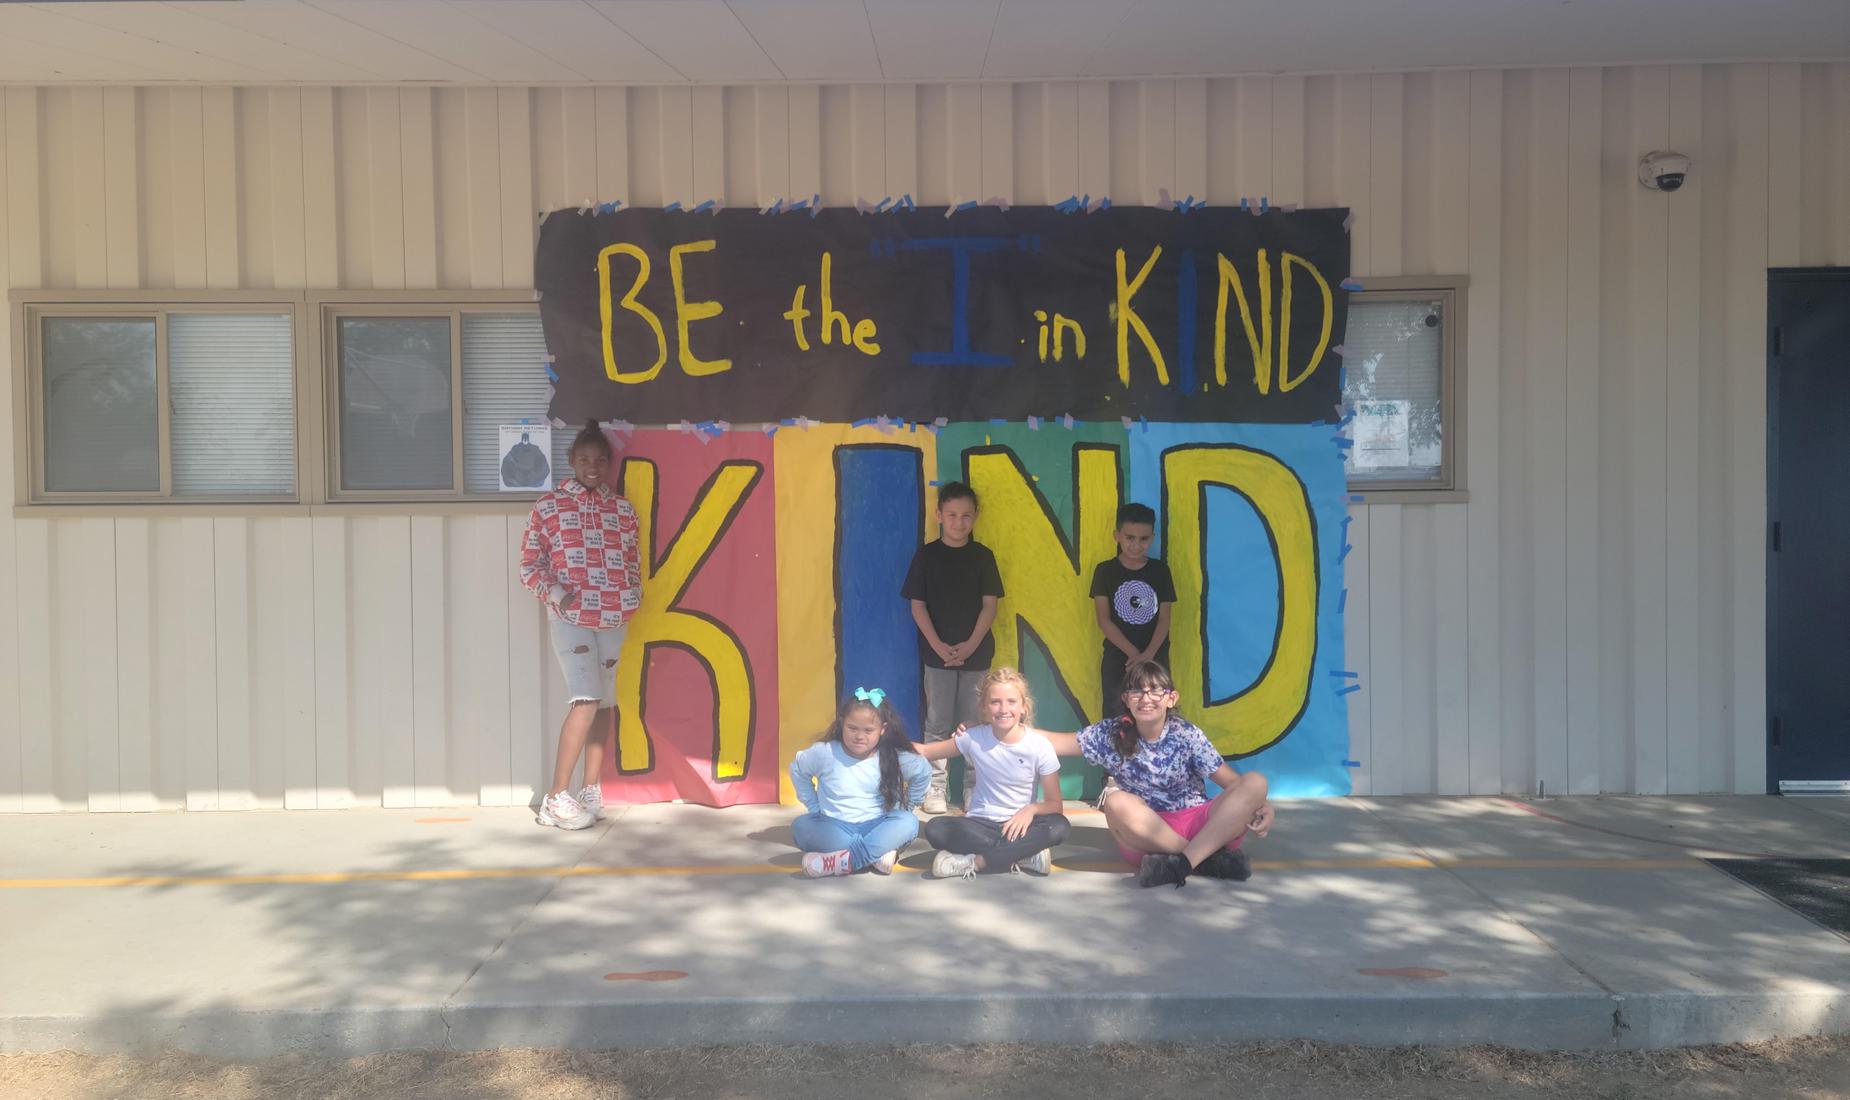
(1571, 923)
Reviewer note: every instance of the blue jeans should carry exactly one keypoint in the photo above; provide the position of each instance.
(866, 841)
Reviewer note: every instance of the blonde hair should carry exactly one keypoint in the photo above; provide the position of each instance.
(1002, 674)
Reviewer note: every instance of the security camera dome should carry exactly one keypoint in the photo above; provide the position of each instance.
(1663, 170)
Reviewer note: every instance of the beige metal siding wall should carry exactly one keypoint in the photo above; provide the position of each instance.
(1592, 618)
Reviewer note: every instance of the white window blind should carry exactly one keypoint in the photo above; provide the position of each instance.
(504, 382)
(102, 406)
(232, 384)
(1393, 381)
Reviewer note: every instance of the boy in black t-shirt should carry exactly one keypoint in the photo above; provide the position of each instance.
(1133, 594)
(953, 585)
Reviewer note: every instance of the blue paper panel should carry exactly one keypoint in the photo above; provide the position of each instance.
(1243, 606)
(878, 527)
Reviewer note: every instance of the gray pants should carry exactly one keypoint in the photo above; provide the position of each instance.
(951, 697)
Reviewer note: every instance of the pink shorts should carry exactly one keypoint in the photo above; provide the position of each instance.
(1186, 822)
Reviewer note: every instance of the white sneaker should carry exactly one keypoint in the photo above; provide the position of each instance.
(826, 864)
(562, 811)
(1040, 863)
(884, 865)
(592, 799)
(934, 802)
(953, 865)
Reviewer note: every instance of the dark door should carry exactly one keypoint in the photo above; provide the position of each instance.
(1808, 503)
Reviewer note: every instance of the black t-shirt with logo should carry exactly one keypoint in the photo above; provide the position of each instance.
(952, 580)
(1135, 595)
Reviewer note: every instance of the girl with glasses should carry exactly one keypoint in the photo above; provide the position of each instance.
(1157, 809)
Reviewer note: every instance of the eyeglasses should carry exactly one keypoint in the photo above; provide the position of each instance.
(1147, 693)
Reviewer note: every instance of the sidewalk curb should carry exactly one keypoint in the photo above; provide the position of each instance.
(1567, 1021)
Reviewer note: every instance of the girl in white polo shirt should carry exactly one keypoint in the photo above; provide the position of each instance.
(1005, 827)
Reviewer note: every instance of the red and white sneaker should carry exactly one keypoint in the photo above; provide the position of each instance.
(826, 864)
(562, 811)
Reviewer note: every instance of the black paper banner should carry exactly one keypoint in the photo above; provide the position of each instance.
(1215, 314)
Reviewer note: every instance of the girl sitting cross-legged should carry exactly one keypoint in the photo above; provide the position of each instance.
(1157, 808)
(859, 783)
(1005, 827)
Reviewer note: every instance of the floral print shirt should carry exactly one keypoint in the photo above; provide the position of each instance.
(1168, 773)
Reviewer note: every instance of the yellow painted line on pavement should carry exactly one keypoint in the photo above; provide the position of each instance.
(465, 874)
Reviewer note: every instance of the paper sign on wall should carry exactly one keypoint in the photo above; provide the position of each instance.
(525, 455)
(1383, 435)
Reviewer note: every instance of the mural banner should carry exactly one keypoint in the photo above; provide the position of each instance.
(773, 564)
(1169, 315)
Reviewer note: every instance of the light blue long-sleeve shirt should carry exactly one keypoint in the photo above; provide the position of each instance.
(830, 782)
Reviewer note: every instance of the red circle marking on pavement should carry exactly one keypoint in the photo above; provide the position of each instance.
(1419, 972)
(648, 976)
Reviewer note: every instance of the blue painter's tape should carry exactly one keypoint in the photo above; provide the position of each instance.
(1352, 763)
(1347, 520)
(1351, 284)
(1349, 690)
(1356, 498)
(1342, 601)
(862, 423)
(932, 483)
(1342, 441)
(963, 206)
(704, 207)
(672, 207)
(1345, 674)
(1345, 551)
(551, 375)
(1145, 421)
(997, 420)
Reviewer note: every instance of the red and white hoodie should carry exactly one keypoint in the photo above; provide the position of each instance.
(583, 541)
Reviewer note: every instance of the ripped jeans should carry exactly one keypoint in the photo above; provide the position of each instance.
(589, 660)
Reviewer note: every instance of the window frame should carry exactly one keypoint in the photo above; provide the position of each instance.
(328, 307)
(30, 309)
(1453, 291)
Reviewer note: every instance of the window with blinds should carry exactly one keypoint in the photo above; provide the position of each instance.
(231, 384)
(504, 382)
(225, 381)
(425, 391)
(1394, 386)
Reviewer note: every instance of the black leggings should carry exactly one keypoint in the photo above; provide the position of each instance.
(975, 836)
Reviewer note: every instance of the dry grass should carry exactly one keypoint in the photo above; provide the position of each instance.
(1806, 1069)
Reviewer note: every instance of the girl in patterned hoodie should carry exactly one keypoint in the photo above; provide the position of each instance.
(580, 556)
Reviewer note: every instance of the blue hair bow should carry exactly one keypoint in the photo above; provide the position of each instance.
(870, 695)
